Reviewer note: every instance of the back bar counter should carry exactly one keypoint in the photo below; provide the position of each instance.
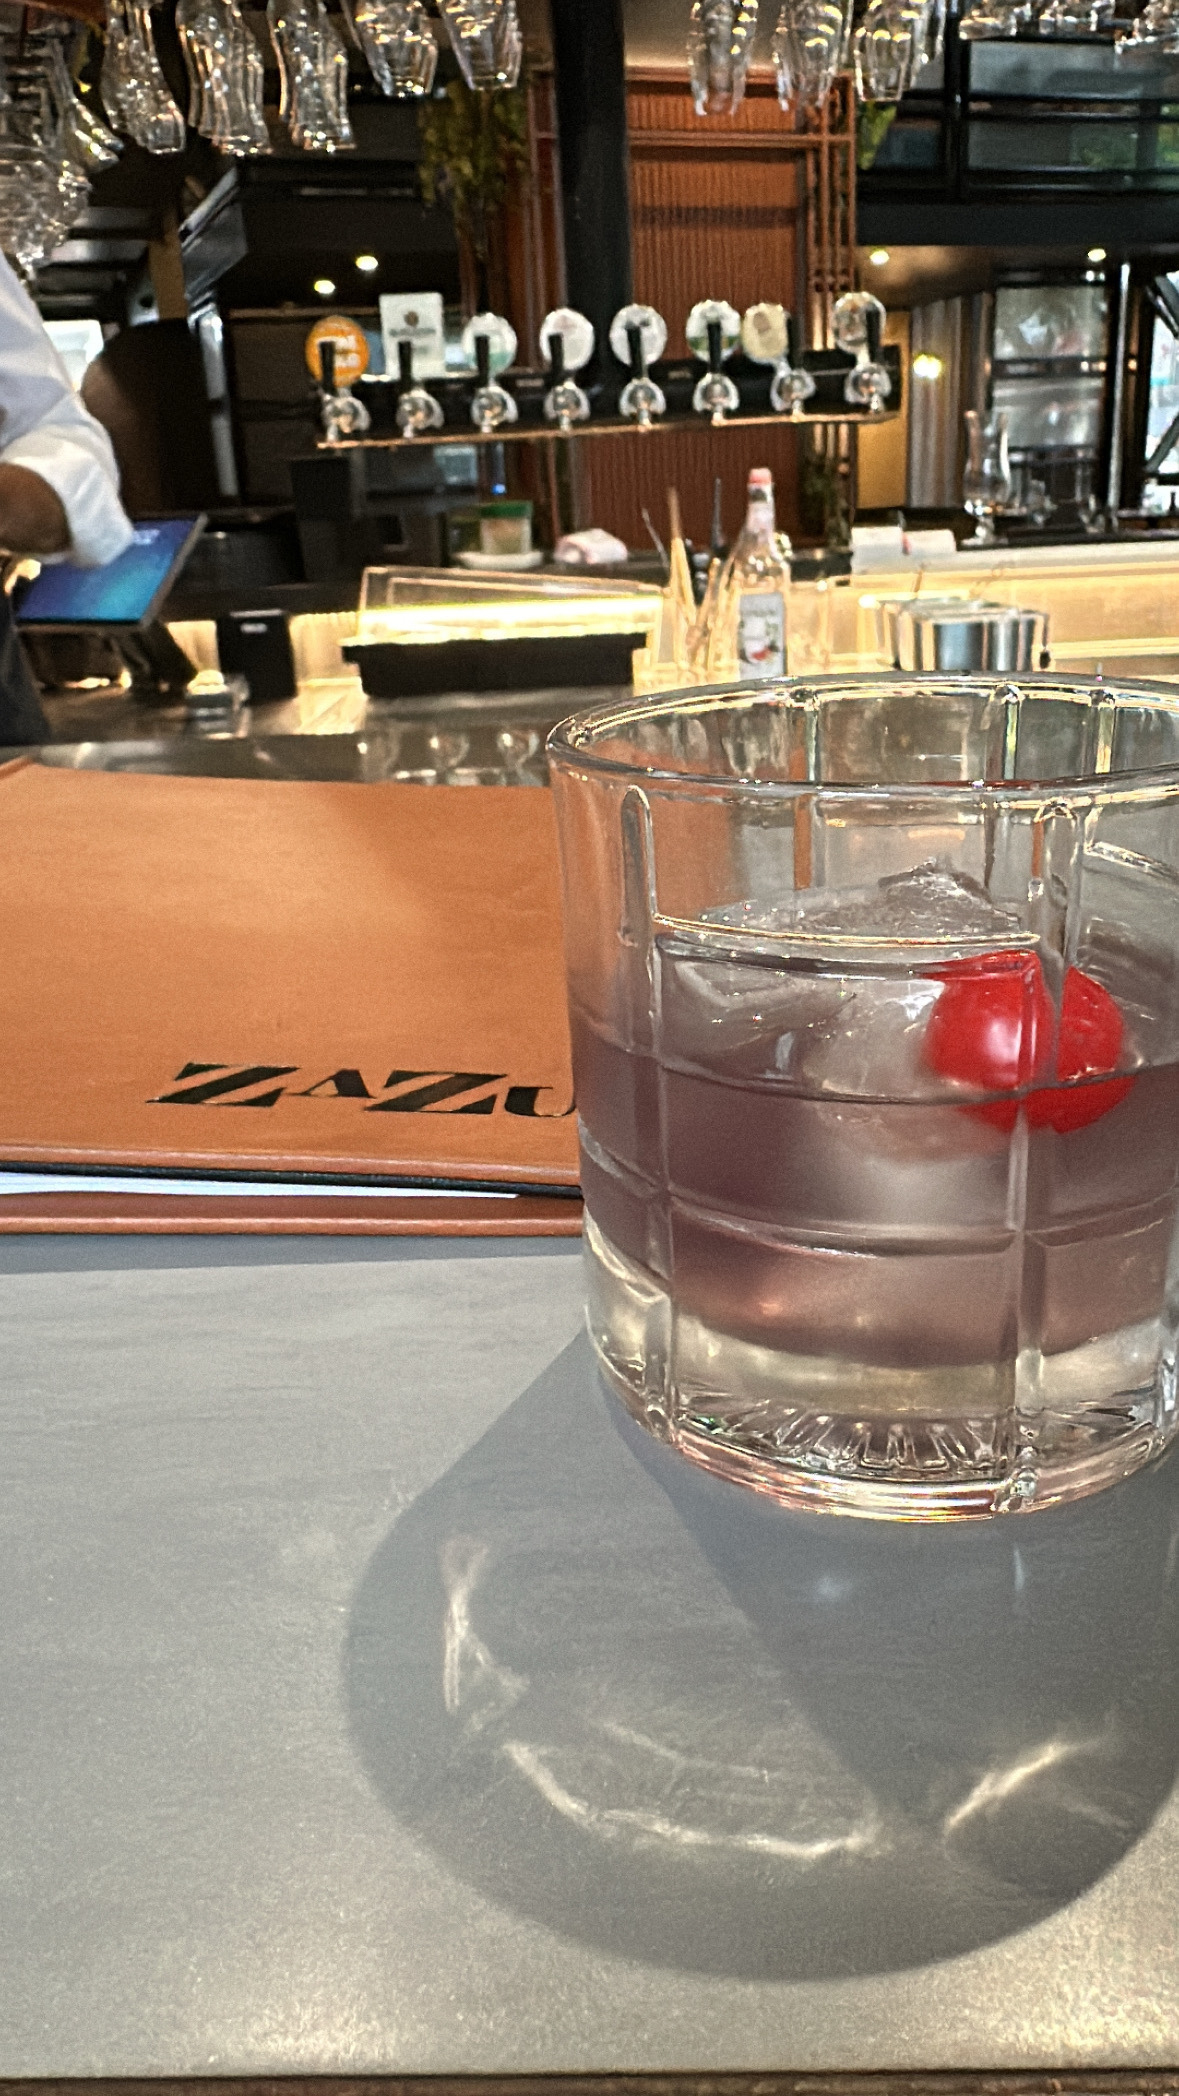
(1110, 606)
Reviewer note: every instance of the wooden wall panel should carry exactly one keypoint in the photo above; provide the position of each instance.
(715, 210)
(721, 207)
(624, 475)
(530, 232)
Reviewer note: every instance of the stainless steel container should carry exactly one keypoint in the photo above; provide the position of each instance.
(960, 635)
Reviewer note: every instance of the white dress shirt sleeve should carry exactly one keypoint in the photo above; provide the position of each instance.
(44, 426)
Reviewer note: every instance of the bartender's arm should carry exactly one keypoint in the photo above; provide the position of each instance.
(59, 485)
(32, 515)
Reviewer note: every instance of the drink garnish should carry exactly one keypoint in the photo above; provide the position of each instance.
(993, 1028)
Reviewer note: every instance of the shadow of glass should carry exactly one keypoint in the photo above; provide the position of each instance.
(664, 1717)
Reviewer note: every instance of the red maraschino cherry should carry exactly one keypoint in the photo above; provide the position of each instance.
(992, 1029)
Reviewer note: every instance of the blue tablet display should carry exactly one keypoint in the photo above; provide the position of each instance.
(125, 592)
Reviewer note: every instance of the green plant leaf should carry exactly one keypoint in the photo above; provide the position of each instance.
(473, 147)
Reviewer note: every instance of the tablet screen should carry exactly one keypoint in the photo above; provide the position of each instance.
(126, 592)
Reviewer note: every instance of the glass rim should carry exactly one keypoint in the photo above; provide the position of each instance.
(570, 744)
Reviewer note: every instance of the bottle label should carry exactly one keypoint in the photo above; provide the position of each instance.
(761, 635)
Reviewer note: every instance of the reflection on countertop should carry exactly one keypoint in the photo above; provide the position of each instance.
(323, 706)
(330, 731)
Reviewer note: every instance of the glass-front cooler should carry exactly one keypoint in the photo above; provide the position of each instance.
(1048, 363)
(1157, 431)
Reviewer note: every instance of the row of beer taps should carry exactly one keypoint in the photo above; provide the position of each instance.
(767, 333)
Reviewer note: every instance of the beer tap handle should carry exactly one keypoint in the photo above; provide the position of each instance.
(483, 359)
(555, 345)
(341, 414)
(792, 385)
(640, 327)
(715, 345)
(405, 362)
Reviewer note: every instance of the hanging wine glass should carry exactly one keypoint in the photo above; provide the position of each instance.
(398, 43)
(313, 75)
(809, 48)
(134, 91)
(720, 43)
(84, 137)
(485, 38)
(888, 47)
(50, 143)
(302, 105)
(226, 76)
(985, 21)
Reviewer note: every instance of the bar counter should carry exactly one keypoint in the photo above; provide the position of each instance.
(1111, 609)
(331, 731)
(378, 1700)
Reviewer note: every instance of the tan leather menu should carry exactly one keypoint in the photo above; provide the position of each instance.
(145, 1214)
(233, 976)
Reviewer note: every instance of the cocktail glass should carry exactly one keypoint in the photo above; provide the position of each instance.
(874, 993)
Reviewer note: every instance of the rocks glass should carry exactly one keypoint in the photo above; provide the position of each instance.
(874, 993)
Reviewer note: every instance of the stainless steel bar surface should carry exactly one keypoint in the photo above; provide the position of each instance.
(377, 1700)
(460, 738)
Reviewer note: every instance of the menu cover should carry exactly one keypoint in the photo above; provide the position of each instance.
(118, 1212)
(312, 982)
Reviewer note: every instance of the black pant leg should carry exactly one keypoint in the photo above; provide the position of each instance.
(22, 716)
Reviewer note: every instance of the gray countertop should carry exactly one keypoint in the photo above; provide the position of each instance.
(377, 1699)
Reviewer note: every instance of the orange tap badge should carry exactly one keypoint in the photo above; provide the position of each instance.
(351, 347)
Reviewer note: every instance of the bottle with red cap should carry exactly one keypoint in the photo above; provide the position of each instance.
(750, 635)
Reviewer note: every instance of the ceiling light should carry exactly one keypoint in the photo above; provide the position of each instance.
(325, 287)
(879, 256)
(367, 263)
(1095, 254)
(925, 366)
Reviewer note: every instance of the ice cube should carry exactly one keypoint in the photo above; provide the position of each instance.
(871, 1051)
(870, 1060)
(741, 1014)
(871, 1048)
(775, 989)
(932, 903)
(886, 1143)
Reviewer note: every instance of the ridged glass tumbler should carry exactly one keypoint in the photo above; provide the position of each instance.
(874, 992)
